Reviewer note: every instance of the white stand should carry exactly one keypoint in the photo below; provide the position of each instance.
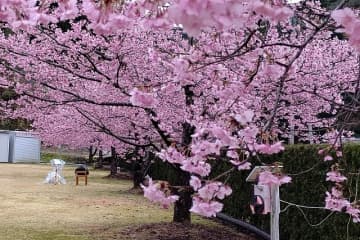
(275, 212)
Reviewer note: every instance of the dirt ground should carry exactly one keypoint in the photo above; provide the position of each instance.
(175, 231)
(103, 210)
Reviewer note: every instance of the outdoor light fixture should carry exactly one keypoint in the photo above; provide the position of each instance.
(261, 200)
(266, 198)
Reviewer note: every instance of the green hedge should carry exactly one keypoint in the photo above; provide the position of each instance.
(306, 189)
(47, 156)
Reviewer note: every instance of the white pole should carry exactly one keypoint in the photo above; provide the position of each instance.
(292, 135)
(275, 212)
(311, 134)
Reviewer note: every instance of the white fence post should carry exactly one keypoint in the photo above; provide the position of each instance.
(275, 212)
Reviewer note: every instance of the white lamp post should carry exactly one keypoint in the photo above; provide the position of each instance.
(273, 201)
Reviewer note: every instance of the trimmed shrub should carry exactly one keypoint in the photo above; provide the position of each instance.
(308, 187)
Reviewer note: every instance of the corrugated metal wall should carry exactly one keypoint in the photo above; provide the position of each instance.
(4, 147)
(25, 149)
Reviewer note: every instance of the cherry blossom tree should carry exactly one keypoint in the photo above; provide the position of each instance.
(220, 88)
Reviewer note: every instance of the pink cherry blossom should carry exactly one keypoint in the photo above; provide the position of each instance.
(347, 18)
(245, 117)
(204, 208)
(241, 165)
(274, 13)
(75, 84)
(344, 16)
(244, 166)
(328, 158)
(195, 166)
(154, 194)
(354, 212)
(335, 204)
(232, 154)
(269, 149)
(267, 178)
(171, 155)
(209, 191)
(214, 189)
(224, 191)
(339, 153)
(335, 176)
(195, 183)
(142, 99)
(335, 201)
(220, 134)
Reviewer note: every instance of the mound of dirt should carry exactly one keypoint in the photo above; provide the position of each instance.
(177, 231)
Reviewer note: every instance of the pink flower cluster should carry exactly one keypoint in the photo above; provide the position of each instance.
(269, 148)
(336, 202)
(142, 99)
(203, 202)
(214, 190)
(347, 18)
(245, 117)
(241, 165)
(267, 178)
(328, 158)
(183, 75)
(197, 15)
(195, 164)
(335, 176)
(104, 20)
(204, 148)
(22, 14)
(154, 194)
(206, 208)
(275, 13)
(171, 155)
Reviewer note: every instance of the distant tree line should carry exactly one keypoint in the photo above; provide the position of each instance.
(6, 95)
(333, 3)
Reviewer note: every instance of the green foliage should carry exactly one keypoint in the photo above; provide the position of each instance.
(307, 188)
(7, 94)
(47, 156)
(331, 4)
(14, 124)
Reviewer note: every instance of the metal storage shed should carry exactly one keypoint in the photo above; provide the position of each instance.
(4, 146)
(21, 147)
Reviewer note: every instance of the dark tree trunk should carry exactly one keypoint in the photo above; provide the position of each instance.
(113, 163)
(188, 130)
(182, 206)
(141, 167)
(92, 153)
(100, 160)
(137, 178)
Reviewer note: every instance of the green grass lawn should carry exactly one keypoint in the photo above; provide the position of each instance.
(33, 210)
